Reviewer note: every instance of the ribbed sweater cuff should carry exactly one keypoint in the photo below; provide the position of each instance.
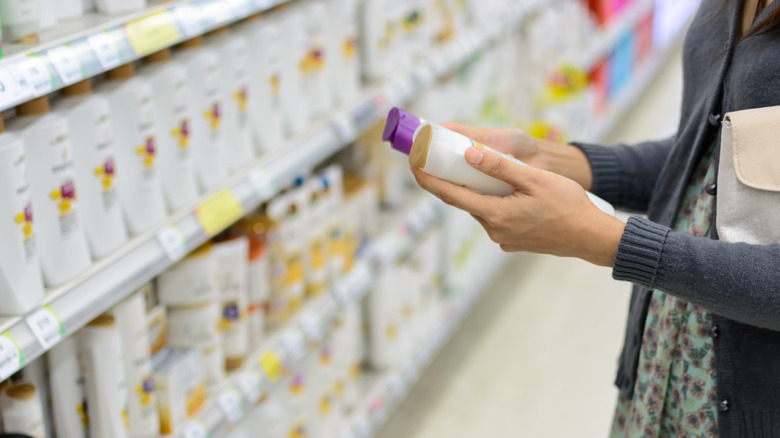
(606, 169)
(639, 254)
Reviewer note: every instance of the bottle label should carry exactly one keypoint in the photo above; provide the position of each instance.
(24, 220)
(181, 130)
(105, 171)
(65, 198)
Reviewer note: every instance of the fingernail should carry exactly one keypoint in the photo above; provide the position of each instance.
(474, 156)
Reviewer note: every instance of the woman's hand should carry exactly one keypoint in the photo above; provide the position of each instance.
(565, 160)
(547, 213)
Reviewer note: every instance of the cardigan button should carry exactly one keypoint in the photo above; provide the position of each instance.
(714, 331)
(711, 189)
(723, 406)
(714, 119)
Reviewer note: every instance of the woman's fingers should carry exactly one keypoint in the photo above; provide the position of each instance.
(451, 194)
(517, 175)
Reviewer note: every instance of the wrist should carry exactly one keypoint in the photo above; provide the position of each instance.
(566, 160)
(599, 239)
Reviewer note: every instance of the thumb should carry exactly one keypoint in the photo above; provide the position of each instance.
(519, 176)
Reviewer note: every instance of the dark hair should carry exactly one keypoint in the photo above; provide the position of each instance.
(770, 24)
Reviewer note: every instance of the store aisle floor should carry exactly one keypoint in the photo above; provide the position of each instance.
(537, 356)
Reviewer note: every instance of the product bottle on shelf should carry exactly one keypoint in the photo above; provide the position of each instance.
(296, 109)
(233, 51)
(21, 284)
(68, 397)
(173, 109)
(48, 13)
(378, 35)
(59, 222)
(68, 9)
(130, 317)
(279, 308)
(112, 7)
(94, 161)
(265, 83)
(344, 50)
(36, 373)
(134, 123)
(209, 146)
(316, 229)
(21, 20)
(231, 258)
(258, 273)
(21, 410)
(314, 67)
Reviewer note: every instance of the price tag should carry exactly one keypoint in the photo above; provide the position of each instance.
(271, 365)
(172, 241)
(67, 64)
(10, 356)
(152, 33)
(294, 344)
(219, 212)
(188, 18)
(46, 327)
(262, 184)
(194, 429)
(312, 326)
(250, 384)
(345, 128)
(105, 49)
(12, 90)
(229, 402)
(37, 74)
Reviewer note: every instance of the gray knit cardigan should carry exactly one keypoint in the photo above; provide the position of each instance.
(738, 283)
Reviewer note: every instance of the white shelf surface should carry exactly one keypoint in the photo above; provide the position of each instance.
(84, 47)
(71, 306)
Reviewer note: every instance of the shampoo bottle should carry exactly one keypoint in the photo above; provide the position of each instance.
(21, 20)
(440, 152)
(233, 51)
(22, 410)
(133, 121)
(53, 188)
(209, 147)
(94, 161)
(315, 64)
(21, 284)
(344, 50)
(68, 398)
(112, 7)
(173, 109)
(295, 104)
(231, 258)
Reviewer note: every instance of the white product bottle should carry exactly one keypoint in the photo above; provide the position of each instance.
(377, 35)
(67, 9)
(231, 257)
(67, 389)
(133, 120)
(295, 104)
(209, 146)
(344, 48)
(265, 83)
(315, 65)
(440, 152)
(36, 373)
(49, 16)
(111, 7)
(21, 20)
(94, 160)
(104, 373)
(172, 106)
(192, 280)
(22, 410)
(21, 284)
(53, 187)
(233, 50)
(130, 317)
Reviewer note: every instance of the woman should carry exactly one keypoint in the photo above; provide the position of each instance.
(702, 349)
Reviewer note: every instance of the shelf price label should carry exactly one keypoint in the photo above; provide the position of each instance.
(219, 212)
(11, 358)
(172, 242)
(12, 90)
(262, 184)
(271, 365)
(36, 72)
(294, 344)
(229, 402)
(312, 326)
(250, 383)
(67, 64)
(105, 49)
(152, 33)
(46, 327)
(345, 128)
(194, 429)
(342, 293)
(188, 17)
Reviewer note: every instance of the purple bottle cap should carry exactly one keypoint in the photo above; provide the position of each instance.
(399, 130)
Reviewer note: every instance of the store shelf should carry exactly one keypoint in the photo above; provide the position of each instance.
(629, 19)
(289, 346)
(90, 45)
(387, 389)
(69, 307)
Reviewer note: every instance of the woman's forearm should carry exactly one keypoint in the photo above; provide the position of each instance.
(566, 160)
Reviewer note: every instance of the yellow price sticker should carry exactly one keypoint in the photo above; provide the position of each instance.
(219, 212)
(152, 33)
(271, 365)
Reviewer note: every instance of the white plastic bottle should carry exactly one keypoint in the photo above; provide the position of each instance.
(231, 258)
(54, 197)
(21, 284)
(112, 7)
(68, 9)
(209, 146)
(130, 317)
(314, 67)
(173, 109)
(94, 160)
(378, 32)
(21, 20)
(48, 13)
(344, 50)
(296, 109)
(133, 120)
(104, 373)
(233, 50)
(265, 83)
(22, 410)
(67, 389)
(440, 152)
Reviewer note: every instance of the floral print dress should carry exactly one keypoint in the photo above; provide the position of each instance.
(675, 393)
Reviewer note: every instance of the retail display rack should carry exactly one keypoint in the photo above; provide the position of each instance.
(71, 306)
